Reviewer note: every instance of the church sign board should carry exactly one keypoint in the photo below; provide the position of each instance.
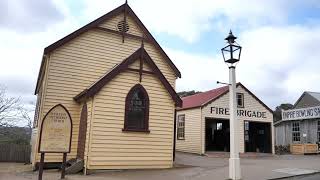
(55, 135)
(56, 131)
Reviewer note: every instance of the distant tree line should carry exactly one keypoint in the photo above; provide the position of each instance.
(15, 135)
(188, 93)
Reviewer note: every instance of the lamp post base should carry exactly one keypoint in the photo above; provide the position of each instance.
(234, 168)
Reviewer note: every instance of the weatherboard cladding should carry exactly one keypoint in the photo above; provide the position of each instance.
(137, 28)
(192, 140)
(283, 132)
(113, 149)
(140, 53)
(74, 64)
(306, 106)
(195, 115)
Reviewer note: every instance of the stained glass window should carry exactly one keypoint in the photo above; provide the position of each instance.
(137, 109)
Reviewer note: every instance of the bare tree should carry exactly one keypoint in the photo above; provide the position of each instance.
(9, 109)
(15, 119)
(25, 116)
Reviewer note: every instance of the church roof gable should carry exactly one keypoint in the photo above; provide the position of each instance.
(95, 24)
(124, 65)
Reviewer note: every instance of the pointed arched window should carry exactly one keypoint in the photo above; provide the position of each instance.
(137, 110)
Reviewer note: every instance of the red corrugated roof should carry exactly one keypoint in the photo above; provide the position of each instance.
(200, 99)
(204, 98)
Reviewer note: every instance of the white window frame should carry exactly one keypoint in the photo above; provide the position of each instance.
(296, 135)
(246, 131)
(318, 130)
(241, 95)
(181, 127)
(37, 110)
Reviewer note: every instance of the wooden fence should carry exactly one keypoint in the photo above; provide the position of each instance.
(15, 153)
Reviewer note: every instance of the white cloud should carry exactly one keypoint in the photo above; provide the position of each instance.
(21, 52)
(277, 63)
(187, 19)
(28, 16)
(284, 57)
(199, 72)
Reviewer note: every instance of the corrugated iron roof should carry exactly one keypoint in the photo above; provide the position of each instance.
(200, 99)
(316, 95)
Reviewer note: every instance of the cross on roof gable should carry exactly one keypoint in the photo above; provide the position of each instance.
(94, 24)
(140, 53)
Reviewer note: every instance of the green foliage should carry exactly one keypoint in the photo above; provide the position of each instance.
(15, 135)
(277, 113)
(188, 93)
(282, 149)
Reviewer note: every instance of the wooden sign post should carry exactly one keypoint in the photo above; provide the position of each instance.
(55, 135)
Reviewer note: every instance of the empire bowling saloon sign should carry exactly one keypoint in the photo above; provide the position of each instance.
(303, 113)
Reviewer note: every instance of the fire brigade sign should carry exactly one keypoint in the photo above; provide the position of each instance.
(56, 131)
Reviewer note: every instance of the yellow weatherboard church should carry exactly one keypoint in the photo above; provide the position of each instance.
(118, 85)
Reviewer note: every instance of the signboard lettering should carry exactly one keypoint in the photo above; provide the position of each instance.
(240, 112)
(303, 113)
(55, 132)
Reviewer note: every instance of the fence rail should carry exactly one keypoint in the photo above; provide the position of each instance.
(15, 153)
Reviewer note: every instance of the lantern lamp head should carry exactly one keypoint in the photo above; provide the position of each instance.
(231, 53)
(230, 38)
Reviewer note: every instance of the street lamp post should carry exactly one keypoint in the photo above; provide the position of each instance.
(231, 55)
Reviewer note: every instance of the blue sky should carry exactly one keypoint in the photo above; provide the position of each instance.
(280, 39)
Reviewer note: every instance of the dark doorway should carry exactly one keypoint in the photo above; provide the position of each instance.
(257, 137)
(82, 132)
(217, 135)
